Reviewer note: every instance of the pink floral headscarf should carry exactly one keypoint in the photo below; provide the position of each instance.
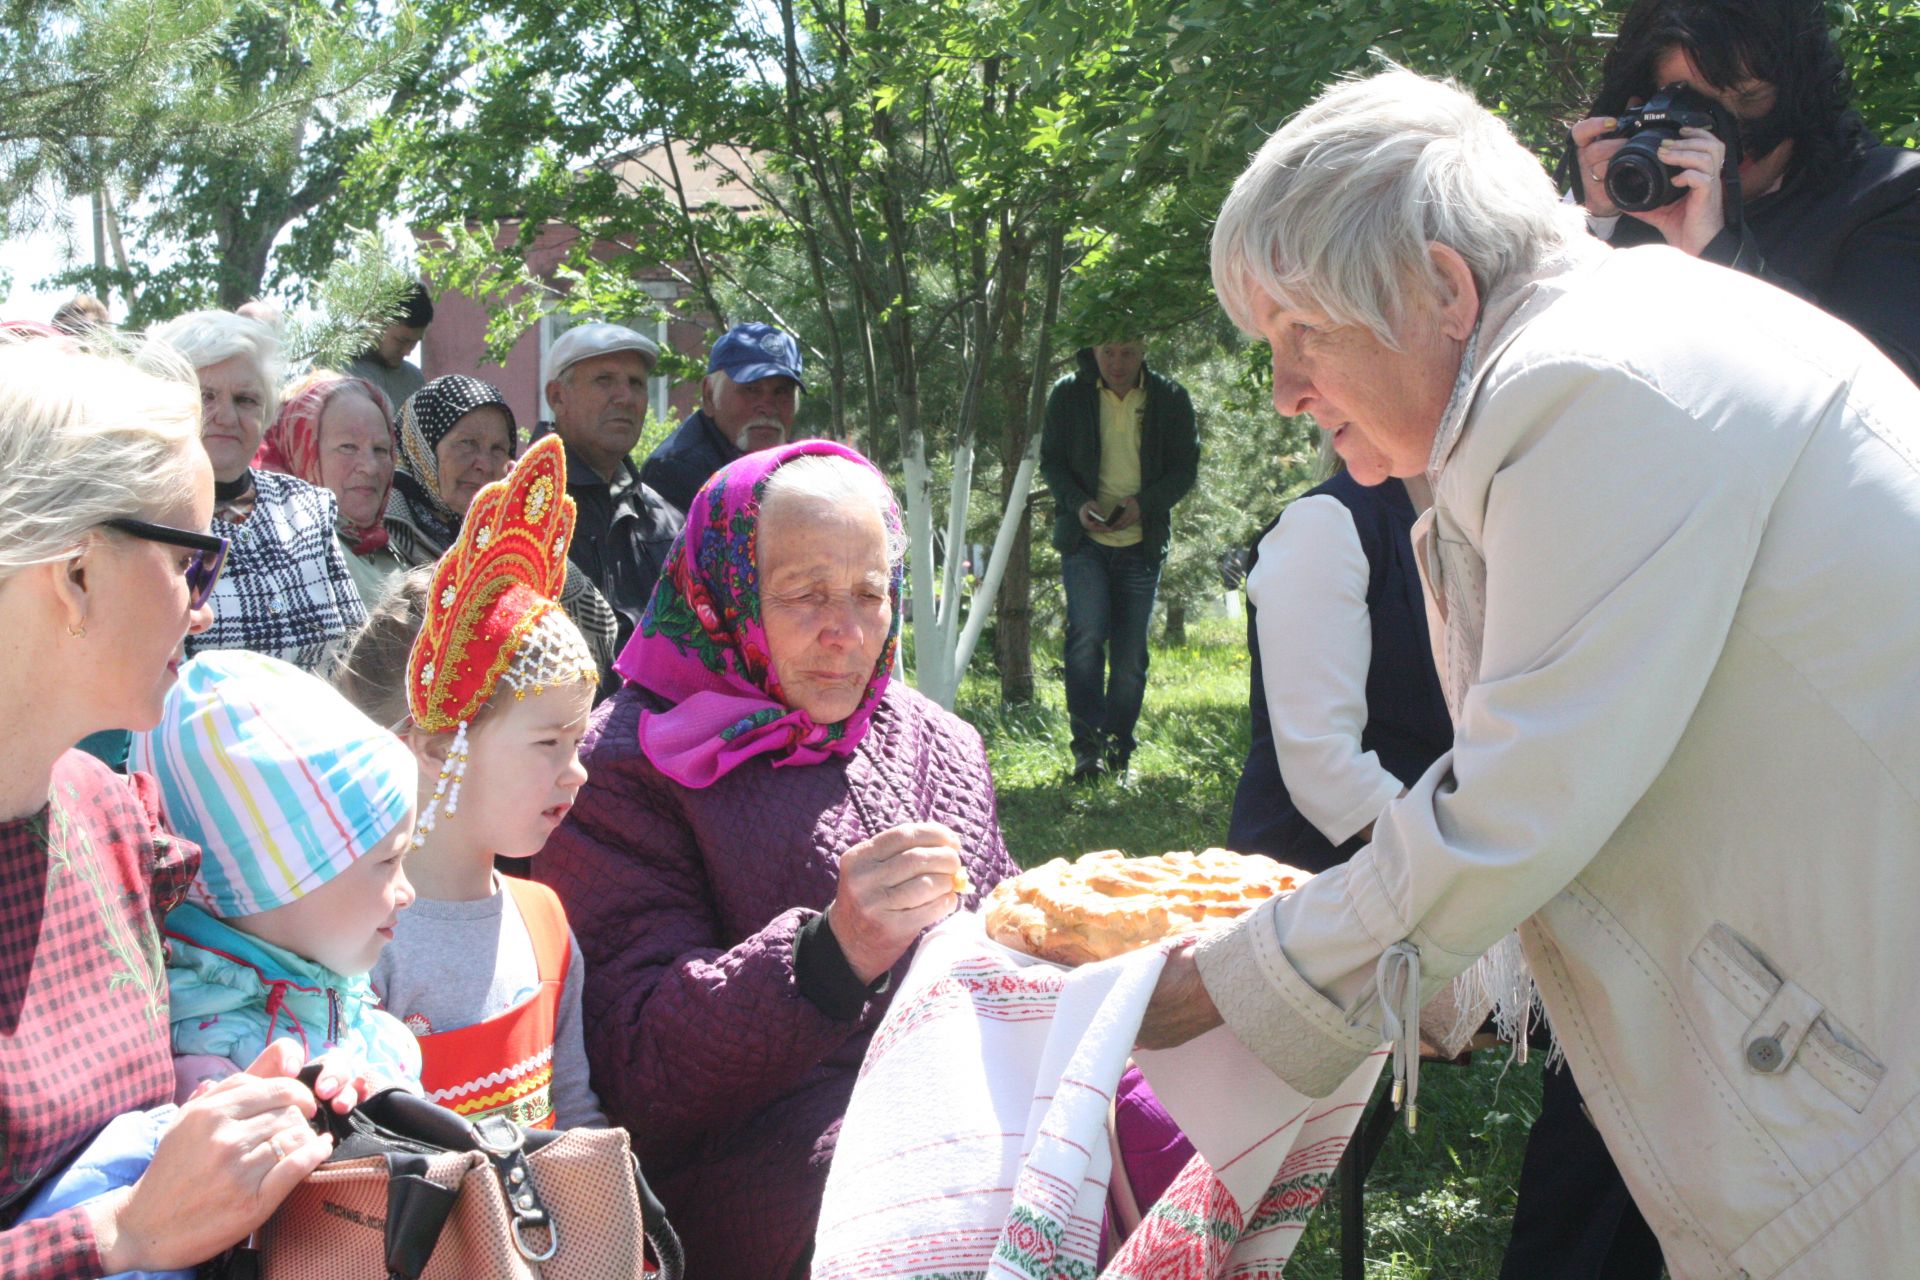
(701, 644)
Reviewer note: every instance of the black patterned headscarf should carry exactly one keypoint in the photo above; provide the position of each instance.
(416, 512)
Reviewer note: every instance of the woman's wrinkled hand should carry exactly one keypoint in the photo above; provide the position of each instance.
(233, 1154)
(1180, 1008)
(892, 887)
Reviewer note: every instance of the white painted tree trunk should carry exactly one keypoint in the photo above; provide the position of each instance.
(922, 576)
(944, 639)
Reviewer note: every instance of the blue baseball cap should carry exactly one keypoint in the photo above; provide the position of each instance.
(750, 352)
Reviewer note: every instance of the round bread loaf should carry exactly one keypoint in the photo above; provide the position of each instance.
(1105, 904)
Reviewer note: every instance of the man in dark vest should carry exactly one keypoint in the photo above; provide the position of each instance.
(747, 403)
(1120, 448)
(1346, 706)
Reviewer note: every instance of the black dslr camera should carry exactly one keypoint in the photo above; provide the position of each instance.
(1636, 179)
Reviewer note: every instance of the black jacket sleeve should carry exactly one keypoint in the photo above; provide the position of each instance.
(1183, 454)
(1851, 248)
(1056, 450)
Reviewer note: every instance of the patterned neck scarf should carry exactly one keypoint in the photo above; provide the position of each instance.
(701, 645)
(292, 445)
(426, 419)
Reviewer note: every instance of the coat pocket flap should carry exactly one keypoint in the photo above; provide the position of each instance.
(1788, 1025)
(1776, 1032)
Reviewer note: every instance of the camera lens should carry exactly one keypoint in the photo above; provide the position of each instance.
(1636, 180)
(1635, 185)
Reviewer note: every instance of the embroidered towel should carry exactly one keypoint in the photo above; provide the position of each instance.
(974, 1147)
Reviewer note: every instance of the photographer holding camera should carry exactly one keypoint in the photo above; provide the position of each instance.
(1789, 187)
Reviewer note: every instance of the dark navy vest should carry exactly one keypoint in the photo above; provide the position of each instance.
(1407, 722)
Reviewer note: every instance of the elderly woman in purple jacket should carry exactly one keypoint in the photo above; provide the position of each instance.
(768, 825)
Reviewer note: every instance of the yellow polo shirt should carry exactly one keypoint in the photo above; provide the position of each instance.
(1120, 419)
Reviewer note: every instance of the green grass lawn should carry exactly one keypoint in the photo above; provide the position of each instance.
(1439, 1201)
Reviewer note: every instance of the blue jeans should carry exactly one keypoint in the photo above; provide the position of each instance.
(1109, 604)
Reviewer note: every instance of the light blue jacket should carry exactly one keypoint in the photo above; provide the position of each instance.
(114, 1159)
(232, 993)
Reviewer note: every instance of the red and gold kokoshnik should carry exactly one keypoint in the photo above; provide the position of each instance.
(503, 574)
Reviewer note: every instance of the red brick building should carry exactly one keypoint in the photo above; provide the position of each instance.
(456, 341)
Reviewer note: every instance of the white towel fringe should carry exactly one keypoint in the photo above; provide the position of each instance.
(1502, 982)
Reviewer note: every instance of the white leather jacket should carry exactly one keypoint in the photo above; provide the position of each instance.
(1674, 563)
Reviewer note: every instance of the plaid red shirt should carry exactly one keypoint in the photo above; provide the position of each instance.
(83, 990)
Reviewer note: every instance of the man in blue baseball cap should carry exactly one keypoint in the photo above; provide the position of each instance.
(747, 401)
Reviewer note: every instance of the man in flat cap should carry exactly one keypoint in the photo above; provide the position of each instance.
(597, 387)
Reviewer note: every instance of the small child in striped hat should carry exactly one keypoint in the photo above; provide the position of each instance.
(302, 808)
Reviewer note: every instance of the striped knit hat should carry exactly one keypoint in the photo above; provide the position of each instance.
(282, 782)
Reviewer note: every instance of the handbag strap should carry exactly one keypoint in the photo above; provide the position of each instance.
(667, 1250)
(417, 1210)
(504, 1144)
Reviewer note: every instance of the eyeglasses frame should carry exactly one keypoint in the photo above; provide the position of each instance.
(207, 544)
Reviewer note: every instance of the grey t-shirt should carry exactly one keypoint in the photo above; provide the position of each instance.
(452, 964)
(398, 381)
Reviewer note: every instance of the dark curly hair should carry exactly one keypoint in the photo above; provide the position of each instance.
(1783, 42)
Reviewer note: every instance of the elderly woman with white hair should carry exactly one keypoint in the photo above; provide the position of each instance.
(1674, 563)
(286, 591)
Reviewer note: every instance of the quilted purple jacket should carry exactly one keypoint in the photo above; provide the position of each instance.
(685, 903)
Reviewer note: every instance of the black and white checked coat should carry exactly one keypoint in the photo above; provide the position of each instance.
(285, 591)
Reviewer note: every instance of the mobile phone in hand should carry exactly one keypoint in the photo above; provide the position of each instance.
(1097, 518)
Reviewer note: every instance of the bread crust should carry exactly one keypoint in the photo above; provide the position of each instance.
(1105, 904)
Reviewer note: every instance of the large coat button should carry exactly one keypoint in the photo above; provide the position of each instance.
(1763, 1053)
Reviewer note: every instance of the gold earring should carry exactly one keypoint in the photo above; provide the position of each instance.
(79, 632)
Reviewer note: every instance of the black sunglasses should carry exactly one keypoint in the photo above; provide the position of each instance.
(202, 571)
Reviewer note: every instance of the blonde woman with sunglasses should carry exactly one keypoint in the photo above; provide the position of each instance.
(106, 567)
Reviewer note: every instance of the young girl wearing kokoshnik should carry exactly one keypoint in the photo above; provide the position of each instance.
(483, 968)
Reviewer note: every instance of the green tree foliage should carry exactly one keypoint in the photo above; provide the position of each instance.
(1174, 104)
(906, 231)
(914, 159)
(239, 173)
(78, 79)
(1882, 47)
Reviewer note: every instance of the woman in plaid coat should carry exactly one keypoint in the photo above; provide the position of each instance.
(286, 591)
